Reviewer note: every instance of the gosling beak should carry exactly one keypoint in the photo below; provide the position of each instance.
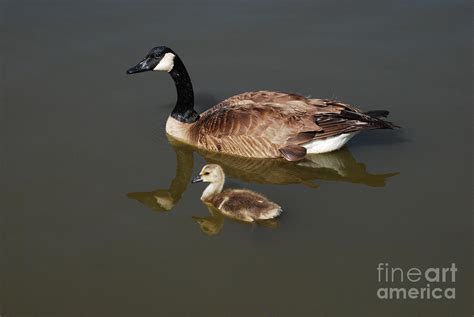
(145, 65)
(197, 179)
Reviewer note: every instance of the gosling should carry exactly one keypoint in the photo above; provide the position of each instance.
(240, 204)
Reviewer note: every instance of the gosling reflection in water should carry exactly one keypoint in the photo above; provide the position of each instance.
(337, 166)
(239, 204)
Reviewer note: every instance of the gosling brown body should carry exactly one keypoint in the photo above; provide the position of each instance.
(244, 205)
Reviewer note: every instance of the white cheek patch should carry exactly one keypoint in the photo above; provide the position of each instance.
(166, 63)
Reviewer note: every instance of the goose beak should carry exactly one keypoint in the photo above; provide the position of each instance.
(145, 65)
(197, 179)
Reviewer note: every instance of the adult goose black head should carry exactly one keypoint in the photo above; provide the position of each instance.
(162, 58)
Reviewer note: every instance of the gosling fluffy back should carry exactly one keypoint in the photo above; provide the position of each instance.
(245, 204)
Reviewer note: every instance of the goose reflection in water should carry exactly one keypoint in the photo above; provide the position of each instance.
(337, 166)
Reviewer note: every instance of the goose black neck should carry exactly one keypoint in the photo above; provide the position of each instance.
(184, 109)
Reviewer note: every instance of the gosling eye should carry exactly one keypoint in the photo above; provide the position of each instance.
(206, 173)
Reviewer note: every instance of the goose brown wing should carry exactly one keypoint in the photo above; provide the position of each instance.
(258, 124)
(274, 117)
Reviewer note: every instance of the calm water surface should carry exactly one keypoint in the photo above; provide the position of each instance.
(98, 217)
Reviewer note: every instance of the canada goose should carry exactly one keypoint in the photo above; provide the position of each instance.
(261, 124)
(241, 204)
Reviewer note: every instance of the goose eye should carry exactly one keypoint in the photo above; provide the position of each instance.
(156, 56)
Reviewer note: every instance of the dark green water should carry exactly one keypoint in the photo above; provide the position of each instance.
(87, 169)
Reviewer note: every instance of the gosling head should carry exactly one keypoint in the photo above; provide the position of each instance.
(160, 58)
(210, 173)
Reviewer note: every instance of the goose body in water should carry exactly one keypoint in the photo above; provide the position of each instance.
(240, 204)
(260, 124)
